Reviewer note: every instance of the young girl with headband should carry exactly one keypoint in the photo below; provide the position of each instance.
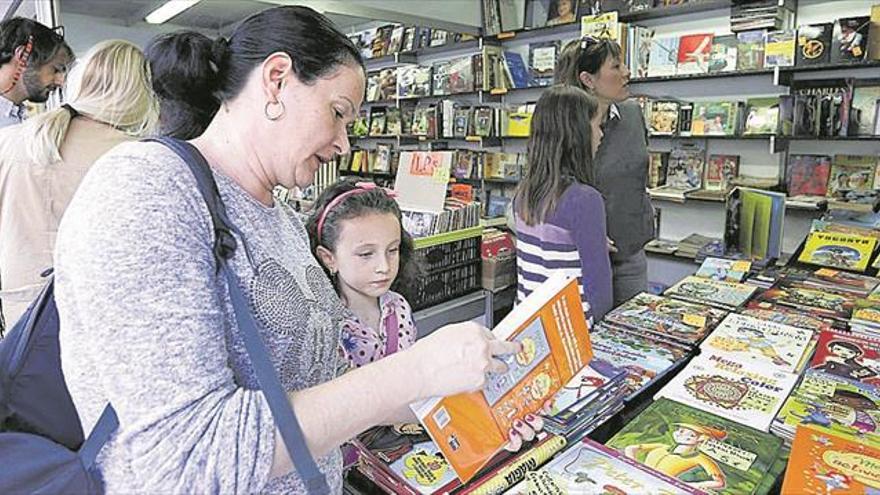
(355, 232)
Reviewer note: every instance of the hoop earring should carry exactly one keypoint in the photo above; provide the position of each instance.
(269, 115)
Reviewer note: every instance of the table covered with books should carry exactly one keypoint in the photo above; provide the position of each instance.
(739, 379)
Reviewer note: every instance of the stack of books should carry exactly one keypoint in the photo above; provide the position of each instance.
(728, 296)
(663, 318)
(591, 397)
(691, 245)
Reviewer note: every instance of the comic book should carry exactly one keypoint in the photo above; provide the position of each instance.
(703, 450)
(824, 462)
(666, 318)
(747, 392)
(724, 270)
(645, 359)
(764, 343)
(845, 406)
(808, 175)
(724, 295)
(590, 467)
(847, 355)
(550, 325)
(844, 251)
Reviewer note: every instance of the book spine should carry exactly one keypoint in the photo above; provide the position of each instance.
(517, 470)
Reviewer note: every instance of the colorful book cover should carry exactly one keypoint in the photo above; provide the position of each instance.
(823, 462)
(862, 284)
(693, 53)
(749, 339)
(848, 252)
(723, 55)
(413, 81)
(585, 384)
(663, 117)
(705, 451)
(513, 472)
(602, 26)
(849, 356)
(713, 292)
(761, 116)
(864, 110)
(664, 56)
(808, 175)
(714, 118)
(750, 50)
(471, 428)
(742, 391)
(866, 312)
(424, 469)
(851, 173)
(818, 302)
(792, 318)
(725, 270)
(814, 44)
(519, 74)
(849, 42)
(779, 49)
(683, 322)
(720, 172)
(845, 406)
(590, 467)
(645, 359)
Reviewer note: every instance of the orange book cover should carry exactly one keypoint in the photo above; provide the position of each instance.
(550, 324)
(827, 463)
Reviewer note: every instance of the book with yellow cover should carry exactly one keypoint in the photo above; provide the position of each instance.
(837, 250)
(550, 325)
(827, 463)
(602, 26)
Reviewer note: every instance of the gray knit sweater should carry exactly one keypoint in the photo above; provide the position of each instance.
(147, 324)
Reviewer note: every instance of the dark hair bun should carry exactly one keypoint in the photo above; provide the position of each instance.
(181, 66)
(219, 52)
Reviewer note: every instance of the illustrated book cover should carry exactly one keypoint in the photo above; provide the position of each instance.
(666, 318)
(726, 295)
(764, 343)
(847, 355)
(808, 175)
(824, 462)
(724, 269)
(835, 250)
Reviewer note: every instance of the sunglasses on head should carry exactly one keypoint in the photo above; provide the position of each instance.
(589, 41)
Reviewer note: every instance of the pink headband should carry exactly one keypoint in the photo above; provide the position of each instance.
(360, 187)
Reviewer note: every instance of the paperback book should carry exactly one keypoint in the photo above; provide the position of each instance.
(542, 62)
(665, 318)
(700, 449)
(814, 44)
(764, 343)
(816, 302)
(824, 462)
(721, 170)
(864, 118)
(743, 391)
(724, 269)
(786, 316)
(724, 295)
(471, 428)
(851, 174)
(413, 81)
(663, 117)
(844, 251)
(847, 355)
(761, 116)
(715, 118)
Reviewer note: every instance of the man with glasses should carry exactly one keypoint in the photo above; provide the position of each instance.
(33, 64)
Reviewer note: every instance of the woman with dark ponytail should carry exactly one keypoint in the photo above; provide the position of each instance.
(135, 248)
(184, 79)
(621, 163)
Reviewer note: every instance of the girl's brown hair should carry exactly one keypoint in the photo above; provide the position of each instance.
(560, 151)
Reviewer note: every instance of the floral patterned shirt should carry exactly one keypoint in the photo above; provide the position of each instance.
(362, 344)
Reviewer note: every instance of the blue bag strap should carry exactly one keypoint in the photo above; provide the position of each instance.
(106, 425)
(313, 479)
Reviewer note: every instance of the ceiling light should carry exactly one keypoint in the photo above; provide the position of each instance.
(168, 10)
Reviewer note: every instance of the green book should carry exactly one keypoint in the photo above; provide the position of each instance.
(761, 234)
(747, 222)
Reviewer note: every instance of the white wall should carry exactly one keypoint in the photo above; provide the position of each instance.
(83, 31)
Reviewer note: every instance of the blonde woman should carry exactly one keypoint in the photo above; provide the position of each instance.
(42, 161)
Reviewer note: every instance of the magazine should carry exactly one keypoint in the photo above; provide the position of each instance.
(552, 329)
(725, 270)
(743, 391)
(849, 356)
(590, 467)
(835, 250)
(666, 318)
(726, 295)
(823, 462)
(703, 450)
(749, 339)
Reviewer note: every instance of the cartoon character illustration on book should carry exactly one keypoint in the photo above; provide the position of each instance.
(842, 256)
(833, 480)
(425, 468)
(844, 361)
(846, 408)
(753, 340)
(684, 460)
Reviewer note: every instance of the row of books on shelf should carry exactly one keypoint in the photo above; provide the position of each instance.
(396, 38)
(464, 164)
(743, 370)
(457, 214)
(819, 109)
(444, 120)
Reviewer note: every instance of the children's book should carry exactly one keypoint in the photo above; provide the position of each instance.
(761, 116)
(792, 318)
(847, 355)
(725, 270)
(720, 172)
(666, 318)
(808, 175)
(779, 49)
(817, 302)
(849, 42)
(715, 118)
(814, 44)
(590, 467)
(845, 406)
(726, 295)
(663, 117)
(764, 343)
(844, 251)
(705, 451)
(645, 359)
(851, 174)
(750, 50)
(550, 325)
(422, 177)
(723, 55)
(743, 391)
(693, 53)
(824, 462)
(664, 56)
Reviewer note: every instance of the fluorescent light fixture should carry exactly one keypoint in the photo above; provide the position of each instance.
(168, 10)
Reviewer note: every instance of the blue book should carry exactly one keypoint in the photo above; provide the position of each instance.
(519, 74)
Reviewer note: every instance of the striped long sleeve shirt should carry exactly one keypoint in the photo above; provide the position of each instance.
(572, 240)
